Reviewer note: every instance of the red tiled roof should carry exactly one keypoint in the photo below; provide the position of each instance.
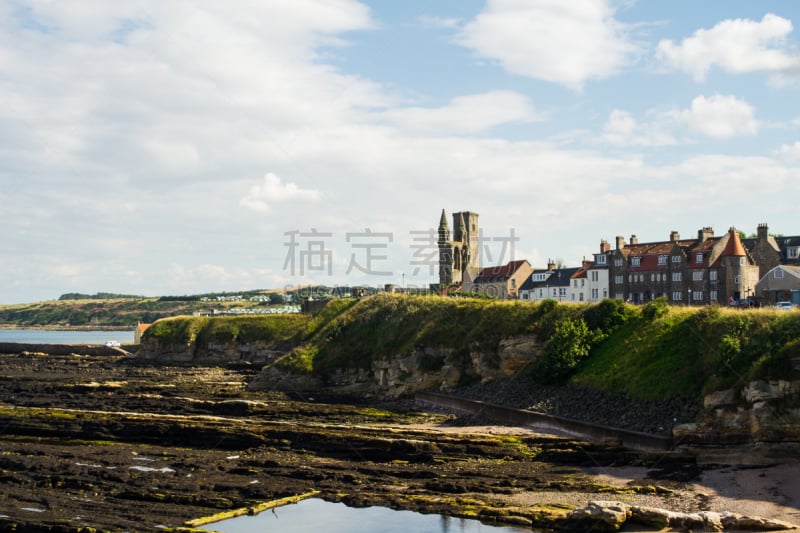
(500, 273)
(734, 246)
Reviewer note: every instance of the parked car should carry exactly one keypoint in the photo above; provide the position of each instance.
(784, 306)
(113, 344)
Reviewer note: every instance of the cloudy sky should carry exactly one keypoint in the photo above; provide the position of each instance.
(177, 147)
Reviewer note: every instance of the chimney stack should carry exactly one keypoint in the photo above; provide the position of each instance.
(604, 246)
(704, 234)
(634, 239)
(674, 236)
(551, 265)
(620, 242)
(763, 232)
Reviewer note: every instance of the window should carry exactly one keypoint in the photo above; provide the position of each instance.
(595, 294)
(618, 280)
(662, 259)
(562, 291)
(524, 295)
(741, 261)
(712, 275)
(677, 276)
(697, 296)
(618, 295)
(513, 283)
(575, 283)
(583, 282)
(713, 296)
(573, 296)
(698, 258)
(636, 261)
(581, 298)
(605, 293)
(601, 259)
(676, 259)
(697, 275)
(617, 262)
(736, 280)
(541, 293)
(778, 274)
(677, 296)
(793, 252)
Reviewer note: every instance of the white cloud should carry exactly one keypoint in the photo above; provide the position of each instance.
(439, 22)
(465, 114)
(562, 42)
(735, 46)
(790, 152)
(272, 191)
(719, 117)
(623, 129)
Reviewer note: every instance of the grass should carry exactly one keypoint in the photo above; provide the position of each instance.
(122, 312)
(653, 351)
(289, 328)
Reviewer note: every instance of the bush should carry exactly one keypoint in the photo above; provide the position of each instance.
(656, 309)
(567, 347)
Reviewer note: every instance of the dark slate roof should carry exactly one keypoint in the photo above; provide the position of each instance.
(559, 278)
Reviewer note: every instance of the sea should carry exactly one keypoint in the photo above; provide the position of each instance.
(50, 336)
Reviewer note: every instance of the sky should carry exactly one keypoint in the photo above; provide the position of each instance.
(181, 147)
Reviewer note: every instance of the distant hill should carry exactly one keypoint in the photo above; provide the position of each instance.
(123, 311)
(96, 296)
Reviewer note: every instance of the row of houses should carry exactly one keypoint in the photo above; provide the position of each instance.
(700, 270)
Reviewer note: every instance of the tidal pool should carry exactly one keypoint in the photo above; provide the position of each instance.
(316, 515)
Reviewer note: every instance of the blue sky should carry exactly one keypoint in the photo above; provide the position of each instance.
(177, 147)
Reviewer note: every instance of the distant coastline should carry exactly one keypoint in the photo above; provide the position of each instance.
(69, 328)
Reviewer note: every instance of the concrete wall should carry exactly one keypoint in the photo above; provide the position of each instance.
(550, 424)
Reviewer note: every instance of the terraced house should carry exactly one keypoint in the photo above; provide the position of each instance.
(702, 270)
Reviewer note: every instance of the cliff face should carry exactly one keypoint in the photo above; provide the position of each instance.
(764, 414)
(213, 352)
(395, 375)
(201, 340)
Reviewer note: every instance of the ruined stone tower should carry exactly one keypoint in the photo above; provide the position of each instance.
(461, 253)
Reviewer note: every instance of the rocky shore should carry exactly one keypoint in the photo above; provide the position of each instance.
(109, 443)
(617, 410)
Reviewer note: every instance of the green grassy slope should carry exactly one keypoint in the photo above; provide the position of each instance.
(649, 352)
(123, 312)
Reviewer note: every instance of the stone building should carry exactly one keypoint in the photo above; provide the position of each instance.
(459, 257)
(769, 251)
(502, 282)
(698, 271)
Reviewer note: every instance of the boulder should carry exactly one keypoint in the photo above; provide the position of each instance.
(753, 523)
(600, 515)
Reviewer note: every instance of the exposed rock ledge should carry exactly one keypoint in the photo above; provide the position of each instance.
(612, 515)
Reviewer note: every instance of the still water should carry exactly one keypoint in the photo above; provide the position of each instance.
(314, 516)
(46, 336)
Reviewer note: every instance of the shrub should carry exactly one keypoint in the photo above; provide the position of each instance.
(567, 347)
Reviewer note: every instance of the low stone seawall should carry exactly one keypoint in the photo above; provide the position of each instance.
(549, 423)
(63, 349)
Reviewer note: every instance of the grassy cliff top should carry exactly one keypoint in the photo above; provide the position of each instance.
(649, 351)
